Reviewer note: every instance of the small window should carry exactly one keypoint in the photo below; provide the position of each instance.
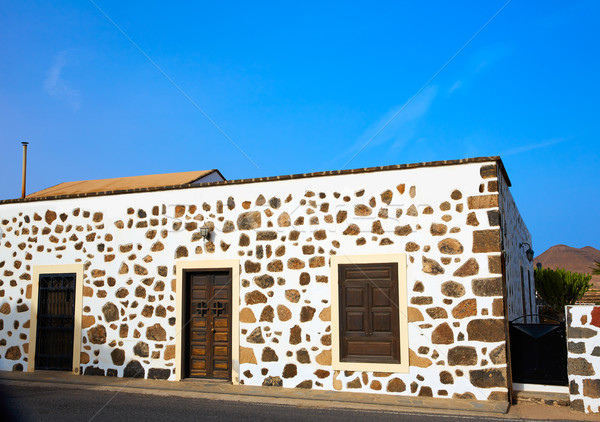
(369, 323)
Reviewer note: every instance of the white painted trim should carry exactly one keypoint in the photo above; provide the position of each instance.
(540, 388)
(181, 267)
(56, 269)
(336, 260)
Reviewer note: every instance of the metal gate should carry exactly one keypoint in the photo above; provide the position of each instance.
(538, 353)
(55, 322)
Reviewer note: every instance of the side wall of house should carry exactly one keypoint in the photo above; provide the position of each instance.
(520, 285)
(583, 346)
(282, 233)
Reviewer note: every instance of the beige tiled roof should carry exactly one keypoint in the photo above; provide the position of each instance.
(121, 183)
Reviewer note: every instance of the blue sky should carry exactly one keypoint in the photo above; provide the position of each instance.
(302, 87)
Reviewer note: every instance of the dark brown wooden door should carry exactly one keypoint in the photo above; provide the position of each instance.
(369, 313)
(55, 322)
(209, 324)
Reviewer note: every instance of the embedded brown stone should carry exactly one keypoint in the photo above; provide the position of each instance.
(488, 171)
(181, 252)
(412, 211)
(495, 264)
(462, 355)
(581, 332)
(139, 270)
(412, 247)
(50, 216)
(266, 235)
(450, 247)
(403, 230)
(316, 261)
(254, 297)
(431, 266)
(486, 241)
(87, 321)
(141, 349)
(97, 334)
(386, 196)
(110, 311)
(274, 202)
(295, 335)
(5, 308)
(421, 300)
(275, 266)
(487, 286)
(488, 330)
(580, 366)
(140, 291)
(419, 361)
(272, 382)
(591, 388)
(325, 314)
(251, 267)
(292, 295)
(123, 269)
(304, 279)
(414, 315)
(456, 195)
(466, 308)
(156, 333)
(341, 216)
(264, 281)
(362, 210)
(290, 371)
(247, 316)
(134, 369)
(472, 219)
(302, 356)
(469, 268)
(247, 355)
(283, 313)
(249, 220)
(352, 230)
(308, 249)
(307, 313)
(255, 336)
(355, 383)
(269, 355)
(488, 378)
(438, 229)
(482, 201)
(376, 228)
(13, 353)
(284, 220)
(147, 311)
(321, 373)
(437, 312)
(267, 314)
(453, 289)
(442, 334)
(396, 385)
(295, 264)
(498, 355)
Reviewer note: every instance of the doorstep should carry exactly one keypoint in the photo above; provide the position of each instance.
(219, 390)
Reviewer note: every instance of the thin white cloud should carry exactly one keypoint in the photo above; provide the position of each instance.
(531, 147)
(398, 124)
(57, 87)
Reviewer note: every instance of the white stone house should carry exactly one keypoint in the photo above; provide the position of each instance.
(394, 280)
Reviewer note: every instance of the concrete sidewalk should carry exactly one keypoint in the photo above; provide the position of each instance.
(224, 391)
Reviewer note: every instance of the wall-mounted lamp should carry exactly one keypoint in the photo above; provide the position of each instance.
(529, 252)
(205, 232)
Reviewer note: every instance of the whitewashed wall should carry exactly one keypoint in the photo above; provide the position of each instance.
(438, 216)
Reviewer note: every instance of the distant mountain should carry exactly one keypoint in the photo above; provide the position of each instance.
(571, 259)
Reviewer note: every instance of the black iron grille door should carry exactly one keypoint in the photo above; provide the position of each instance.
(55, 322)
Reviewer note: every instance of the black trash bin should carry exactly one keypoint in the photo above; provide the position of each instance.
(538, 352)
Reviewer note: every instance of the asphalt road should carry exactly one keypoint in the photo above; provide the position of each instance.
(59, 403)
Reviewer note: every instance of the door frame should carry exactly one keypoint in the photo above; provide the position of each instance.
(38, 270)
(184, 266)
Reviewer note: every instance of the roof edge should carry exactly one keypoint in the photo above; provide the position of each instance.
(497, 159)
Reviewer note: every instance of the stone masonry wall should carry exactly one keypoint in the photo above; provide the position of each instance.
(520, 285)
(583, 348)
(445, 219)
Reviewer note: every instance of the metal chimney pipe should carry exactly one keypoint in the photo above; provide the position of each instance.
(24, 168)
